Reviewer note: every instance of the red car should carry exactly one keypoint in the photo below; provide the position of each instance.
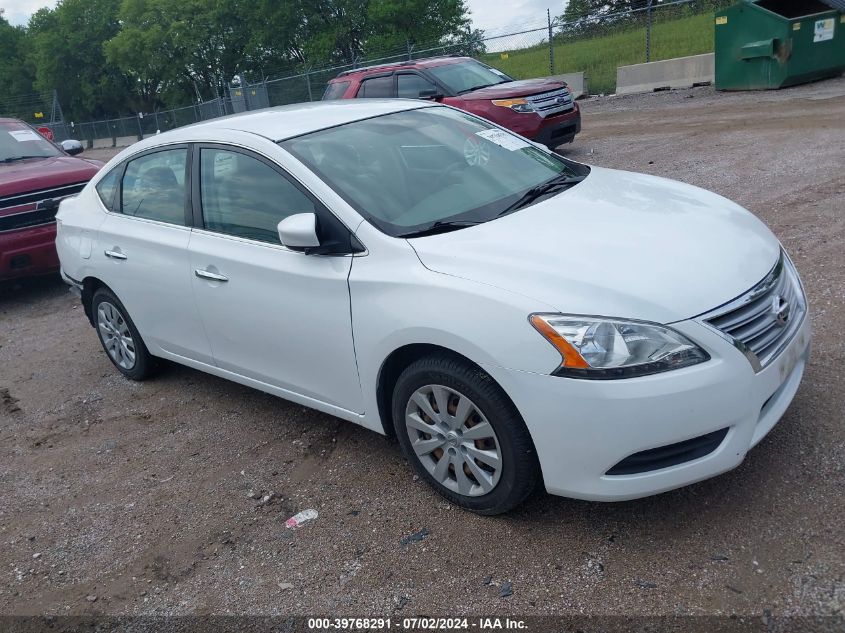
(35, 175)
(542, 110)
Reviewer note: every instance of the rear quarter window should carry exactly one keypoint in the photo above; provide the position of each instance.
(335, 90)
(107, 187)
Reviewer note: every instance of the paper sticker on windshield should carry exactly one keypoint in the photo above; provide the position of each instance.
(24, 135)
(503, 139)
(824, 30)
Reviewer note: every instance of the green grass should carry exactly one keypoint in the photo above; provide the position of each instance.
(599, 56)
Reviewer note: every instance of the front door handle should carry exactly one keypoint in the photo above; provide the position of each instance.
(114, 254)
(204, 274)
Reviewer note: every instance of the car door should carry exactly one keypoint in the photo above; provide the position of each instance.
(272, 314)
(143, 251)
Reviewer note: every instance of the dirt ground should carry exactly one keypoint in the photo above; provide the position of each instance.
(129, 498)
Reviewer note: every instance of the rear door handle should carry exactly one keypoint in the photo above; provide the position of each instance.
(114, 254)
(204, 274)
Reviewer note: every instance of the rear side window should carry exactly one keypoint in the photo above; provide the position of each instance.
(377, 87)
(409, 86)
(107, 187)
(154, 187)
(335, 90)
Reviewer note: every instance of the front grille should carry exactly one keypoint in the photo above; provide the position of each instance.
(763, 321)
(34, 208)
(33, 197)
(670, 455)
(549, 103)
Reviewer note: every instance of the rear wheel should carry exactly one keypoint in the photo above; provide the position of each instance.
(119, 336)
(463, 435)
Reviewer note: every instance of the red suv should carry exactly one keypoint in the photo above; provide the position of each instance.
(35, 175)
(542, 110)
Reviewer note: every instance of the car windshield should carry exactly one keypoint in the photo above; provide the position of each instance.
(18, 141)
(467, 76)
(432, 169)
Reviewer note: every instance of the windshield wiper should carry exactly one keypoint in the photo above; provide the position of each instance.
(545, 188)
(12, 159)
(441, 226)
(479, 87)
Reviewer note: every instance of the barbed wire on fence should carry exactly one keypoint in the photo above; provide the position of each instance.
(595, 45)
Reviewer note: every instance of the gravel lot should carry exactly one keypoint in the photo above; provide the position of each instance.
(129, 498)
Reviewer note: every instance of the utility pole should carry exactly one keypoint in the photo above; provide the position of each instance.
(551, 43)
(648, 33)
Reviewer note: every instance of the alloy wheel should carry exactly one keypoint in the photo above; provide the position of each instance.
(453, 440)
(116, 336)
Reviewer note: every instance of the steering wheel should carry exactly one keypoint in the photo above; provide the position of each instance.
(450, 170)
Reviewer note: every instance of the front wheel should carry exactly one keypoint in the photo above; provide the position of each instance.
(463, 435)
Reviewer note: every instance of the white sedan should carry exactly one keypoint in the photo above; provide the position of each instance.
(511, 316)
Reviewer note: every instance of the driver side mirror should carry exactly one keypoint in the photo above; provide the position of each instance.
(299, 231)
(71, 147)
(432, 94)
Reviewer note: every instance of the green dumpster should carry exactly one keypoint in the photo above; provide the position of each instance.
(764, 44)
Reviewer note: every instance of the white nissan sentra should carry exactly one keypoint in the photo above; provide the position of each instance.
(511, 316)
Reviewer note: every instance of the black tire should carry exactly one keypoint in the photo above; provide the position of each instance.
(520, 471)
(144, 364)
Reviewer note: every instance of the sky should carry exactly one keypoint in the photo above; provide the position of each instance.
(495, 16)
(502, 16)
(17, 12)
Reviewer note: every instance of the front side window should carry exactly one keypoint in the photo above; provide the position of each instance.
(154, 187)
(409, 86)
(467, 76)
(18, 141)
(335, 90)
(245, 197)
(376, 88)
(412, 171)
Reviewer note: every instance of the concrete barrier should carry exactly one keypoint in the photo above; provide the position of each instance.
(681, 72)
(577, 83)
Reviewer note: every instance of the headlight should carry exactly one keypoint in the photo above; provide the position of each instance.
(517, 105)
(599, 348)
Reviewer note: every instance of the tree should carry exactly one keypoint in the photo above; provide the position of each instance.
(402, 24)
(187, 48)
(15, 76)
(582, 15)
(66, 53)
(143, 51)
(110, 57)
(474, 43)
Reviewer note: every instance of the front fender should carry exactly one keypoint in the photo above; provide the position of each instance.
(400, 303)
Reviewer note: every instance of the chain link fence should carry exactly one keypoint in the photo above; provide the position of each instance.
(595, 45)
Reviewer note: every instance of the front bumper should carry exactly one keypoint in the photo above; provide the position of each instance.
(582, 428)
(28, 252)
(558, 130)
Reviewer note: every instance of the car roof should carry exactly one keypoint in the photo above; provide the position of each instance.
(427, 62)
(283, 122)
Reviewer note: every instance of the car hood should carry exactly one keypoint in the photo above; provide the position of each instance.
(618, 244)
(521, 88)
(43, 173)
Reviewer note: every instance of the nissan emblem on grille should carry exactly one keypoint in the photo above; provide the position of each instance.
(780, 310)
